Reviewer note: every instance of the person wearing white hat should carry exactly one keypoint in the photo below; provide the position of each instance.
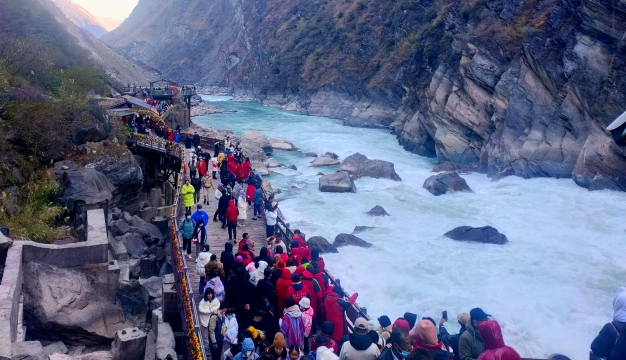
(307, 318)
(360, 346)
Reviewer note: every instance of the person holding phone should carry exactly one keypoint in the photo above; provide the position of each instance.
(452, 340)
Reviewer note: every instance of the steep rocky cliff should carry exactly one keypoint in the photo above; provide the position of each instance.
(521, 87)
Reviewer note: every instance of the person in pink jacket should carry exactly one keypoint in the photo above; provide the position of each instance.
(307, 318)
(495, 349)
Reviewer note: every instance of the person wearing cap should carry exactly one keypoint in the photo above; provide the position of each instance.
(360, 346)
(399, 345)
(385, 327)
(298, 290)
(292, 324)
(471, 343)
(325, 338)
(453, 340)
(278, 350)
(307, 318)
(187, 191)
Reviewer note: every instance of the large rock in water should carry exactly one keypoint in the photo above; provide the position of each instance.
(324, 161)
(254, 151)
(279, 144)
(358, 165)
(442, 183)
(82, 184)
(257, 138)
(349, 239)
(485, 234)
(321, 244)
(61, 304)
(338, 182)
(377, 211)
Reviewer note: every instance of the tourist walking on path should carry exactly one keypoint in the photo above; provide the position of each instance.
(207, 186)
(611, 341)
(199, 237)
(202, 167)
(213, 164)
(258, 201)
(270, 220)
(215, 266)
(203, 258)
(196, 182)
(216, 336)
(196, 140)
(186, 228)
(471, 343)
(232, 213)
(222, 206)
(207, 307)
(193, 166)
(187, 191)
(227, 258)
(218, 195)
(216, 149)
(200, 214)
(242, 205)
(187, 142)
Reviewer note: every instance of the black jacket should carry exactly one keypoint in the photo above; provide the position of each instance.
(228, 260)
(222, 206)
(450, 340)
(386, 355)
(196, 182)
(265, 288)
(188, 142)
(196, 140)
(604, 345)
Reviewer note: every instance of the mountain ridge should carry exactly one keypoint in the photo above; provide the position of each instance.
(503, 87)
(81, 17)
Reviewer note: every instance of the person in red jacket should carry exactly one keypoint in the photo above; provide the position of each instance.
(297, 290)
(318, 278)
(495, 349)
(202, 167)
(297, 236)
(240, 173)
(282, 285)
(246, 254)
(427, 340)
(335, 308)
(231, 219)
(246, 167)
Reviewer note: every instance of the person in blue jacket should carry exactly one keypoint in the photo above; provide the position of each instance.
(200, 215)
(186, 228)
(258, 201)
(247, 350)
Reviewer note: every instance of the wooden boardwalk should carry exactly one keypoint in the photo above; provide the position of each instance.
(217, 237)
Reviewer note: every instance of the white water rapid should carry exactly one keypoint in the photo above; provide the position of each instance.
(551, 287)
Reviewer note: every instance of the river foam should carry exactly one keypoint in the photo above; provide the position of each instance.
(551, 287)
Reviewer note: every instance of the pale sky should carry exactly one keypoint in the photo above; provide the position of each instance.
(116, 9)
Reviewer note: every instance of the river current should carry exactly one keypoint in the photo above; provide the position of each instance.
(551, 287)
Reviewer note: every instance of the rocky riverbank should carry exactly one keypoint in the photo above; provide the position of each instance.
(200, 107)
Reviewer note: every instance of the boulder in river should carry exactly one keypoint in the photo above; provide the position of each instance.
(350, 240)
(358, 165)
(337, 182)
(325, 161)
(61, 304)
(310, 154)
(445, 166)
(485, 235)
(442, 183)
(292, 167)
(358, 229)
(254, 151)
(271, 163)
(259, 168)
(257, 138)
(377, 211)
(331, 154)
(279, 144)
(321, 244)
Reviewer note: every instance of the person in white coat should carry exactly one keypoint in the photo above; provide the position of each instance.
(203, 258)
(242, 204)
(207, 307)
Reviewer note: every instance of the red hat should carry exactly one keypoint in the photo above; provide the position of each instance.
(300, 270)
(280, 264)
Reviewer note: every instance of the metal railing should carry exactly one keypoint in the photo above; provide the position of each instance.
(158, 144)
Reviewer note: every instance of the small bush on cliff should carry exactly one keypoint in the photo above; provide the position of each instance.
(39, 210)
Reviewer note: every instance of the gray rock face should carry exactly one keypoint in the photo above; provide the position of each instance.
(55, 348)
(338, 182)
(133, 297)
(259, 168)
(358, 165)
(321, 244)
(165, 342)
(324, 161)
(485, 234)
(442, 183)
(377, 211)
(134, 244)
(444, 167)
(152, 285)
(278, 144)
(146, 230)
(28, 350)
(5, 244)
(358, 229)
(82, 184)
(350, 240)
(119, 227)
(129, 343)
(124, 172)
(61, 304)
(254, 151)
(97, 131)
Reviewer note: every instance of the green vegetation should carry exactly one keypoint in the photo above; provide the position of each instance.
(46, 80)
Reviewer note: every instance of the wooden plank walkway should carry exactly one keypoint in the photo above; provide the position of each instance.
(217, 237)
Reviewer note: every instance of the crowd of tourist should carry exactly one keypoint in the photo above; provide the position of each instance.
(281, 304)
